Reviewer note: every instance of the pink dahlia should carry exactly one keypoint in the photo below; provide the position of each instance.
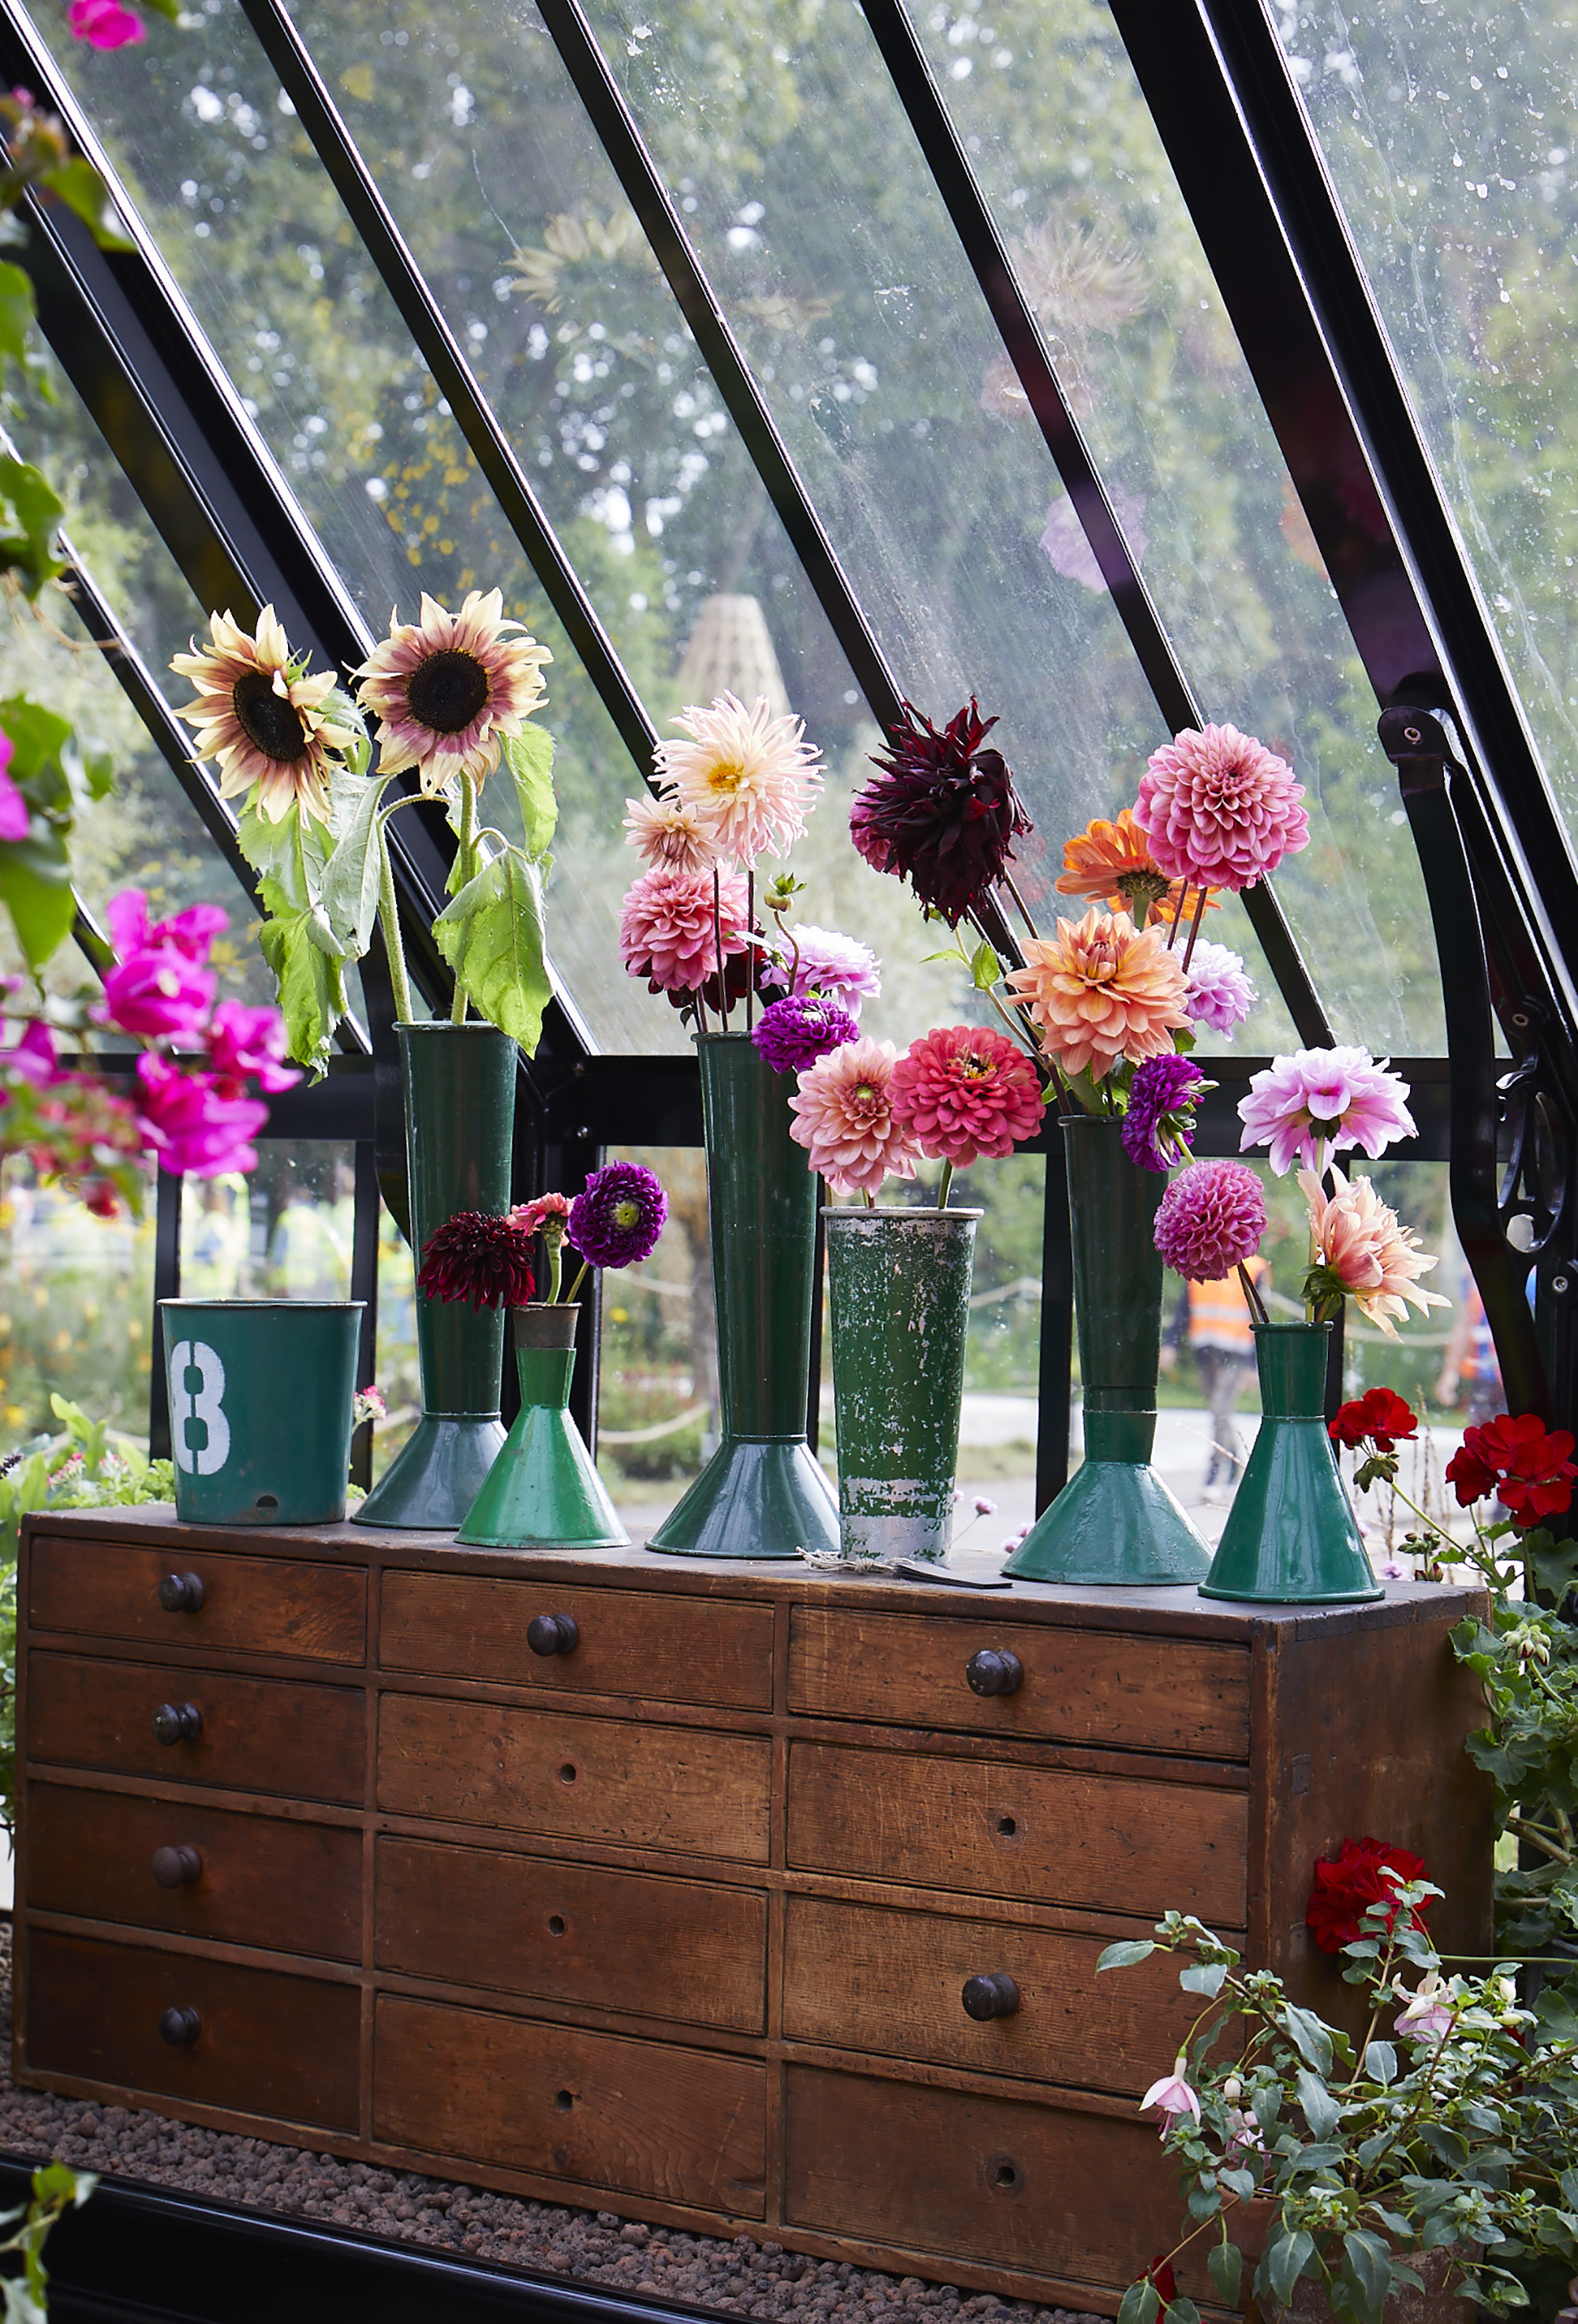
(1363, 1252)
(1218, 990)
(1221, 809)
(839, 968)
(749, 778)
(667, 929)
(1331, 1097)
(671, 833)
(1210, 1220)
(846, 1119)
(963, 1091)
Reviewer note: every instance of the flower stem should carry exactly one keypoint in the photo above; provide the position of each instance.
(1010, 883)
(389, 920)
(1177, 914)
(946, 1187)
(1256, 1304)
(580, 1278)
(717, 932)
(467, 873)
(751, 942)
(1195, 928)
(555, 1244)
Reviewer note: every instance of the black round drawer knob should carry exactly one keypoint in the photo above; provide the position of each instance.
(176, 1868)
(178, 1722)
(996, 1670)
(985, 1997)
(180, 2027)
(182, 1593)
(553, 1634)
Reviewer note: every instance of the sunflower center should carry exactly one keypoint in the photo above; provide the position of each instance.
(725, 775)
(270, 723)
(447, 690)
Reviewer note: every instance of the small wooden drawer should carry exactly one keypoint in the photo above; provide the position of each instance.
(711, 1650)
(1044, 2187)
(1047, 1834)
(264, 2042)
(594, 2109)
(558, 1771)
(251, 1734)
(891, 1984)
(249, 1605)
(573, 1932)
(243, 1880)
(1079, 1686)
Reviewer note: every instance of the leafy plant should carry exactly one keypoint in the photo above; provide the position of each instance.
(56, 2188)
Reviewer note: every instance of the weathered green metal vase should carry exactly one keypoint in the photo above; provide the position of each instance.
(543, 1491)
(762, 1494)
(1291, 1537)
(459, 1119)
(1115, 1520)
(899, 1309)
(260, 1407)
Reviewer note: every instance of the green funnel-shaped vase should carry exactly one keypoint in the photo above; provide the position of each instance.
(1290, 1537)
(762, 1494)
(459, 1119)
(543, 1492)
(1115, 1520)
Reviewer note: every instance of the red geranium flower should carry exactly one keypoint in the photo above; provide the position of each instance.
(1160, 2274)
(1349, 1883)
(1528, 1468)
(1377, 1417)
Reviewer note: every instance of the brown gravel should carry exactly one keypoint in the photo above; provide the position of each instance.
(742, 2276)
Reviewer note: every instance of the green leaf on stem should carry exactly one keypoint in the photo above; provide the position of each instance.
(79, 186)
(1203, 1977)
(1285, 2263)
(350, 873)
(1369, 2263)
(17, 311)
(1309, 2037)
(35, 887)
(985, 968)
(1183, 2312)
(1226, 2264)
(528, 755)
(491, 935)
(1380, 2062)
(311, 983)
(1127, 1954)
(1554, 1564)
(1140, 2303)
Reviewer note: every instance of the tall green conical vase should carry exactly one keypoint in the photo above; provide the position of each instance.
(762, 1494)
(1115, 1521)
(1291, 1538)
(460, 1122)
(543, 1491)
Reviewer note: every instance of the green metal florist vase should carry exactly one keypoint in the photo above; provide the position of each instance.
(763, 1493)
(543, 1492)
(260, 1407)
(1291, 1538)
(899, 1309)
(460, 1122)
(1115, 1521)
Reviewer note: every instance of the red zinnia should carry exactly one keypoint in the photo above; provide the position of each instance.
(1528, 1468)
(1349, 1883)
(1377, 1417)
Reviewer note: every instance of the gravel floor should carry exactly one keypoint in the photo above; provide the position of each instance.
(742, 2277)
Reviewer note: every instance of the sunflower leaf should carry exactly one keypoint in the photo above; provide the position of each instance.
(310, 982)
(491, 935)
(528, 755)
(17, 313)
(350, 875)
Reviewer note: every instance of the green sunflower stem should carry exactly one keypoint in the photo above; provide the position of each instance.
(389, 920)
(467, 873)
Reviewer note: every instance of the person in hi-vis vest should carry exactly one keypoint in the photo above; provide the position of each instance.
(1214, 1318)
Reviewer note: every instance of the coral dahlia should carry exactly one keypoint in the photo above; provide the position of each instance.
(447, 688)
(262, 718)
(667, 932)
(1219, 808)
(942, 812)
(1111, 863)
(963, 1091)
(1104, 989)
(1364, 1253)
(1210, 1220)
(843, 1116)
(749, 778)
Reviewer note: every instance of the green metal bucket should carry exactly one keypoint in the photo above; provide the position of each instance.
(543, 1491)
(260, 1407)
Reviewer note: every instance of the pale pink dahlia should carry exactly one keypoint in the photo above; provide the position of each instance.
(1219, 808)
(750, 777)
(963, 1091)
(1210, 1220)
(844, 1117)
(1219, 993)
(1363, 1252)
(671, 833)
(839, 967)
(667, 930)
(1339, 1097)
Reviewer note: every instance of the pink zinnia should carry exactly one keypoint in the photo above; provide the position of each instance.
(1336, 1097)
(1210, 1220)
(105, 24)
(243, 1042)
(1219, 808)
(193, 1128)
(667, 932)
(963, 1091)
(844, 1118)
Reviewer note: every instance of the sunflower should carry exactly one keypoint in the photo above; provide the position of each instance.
(447, 688)
(262, 718)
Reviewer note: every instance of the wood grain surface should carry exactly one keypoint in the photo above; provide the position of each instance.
(594, 2109)
(251, 1605)
(560, 1772)
(573, 1932)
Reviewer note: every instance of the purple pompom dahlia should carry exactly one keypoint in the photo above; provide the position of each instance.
(792, 1034)
(1164, 1090)
(618, 1215)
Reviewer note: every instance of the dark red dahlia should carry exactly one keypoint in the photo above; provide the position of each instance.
(477, 1257)
(942, 812)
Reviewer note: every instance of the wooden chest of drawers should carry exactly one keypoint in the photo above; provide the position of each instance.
(680, 1920)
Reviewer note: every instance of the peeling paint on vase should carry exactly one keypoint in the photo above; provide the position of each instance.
(899, 1301)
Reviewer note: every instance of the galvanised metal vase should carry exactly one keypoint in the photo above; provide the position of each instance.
(1115, 1521)
(762, 1494)
(898, 1312)
(460, 1122)
(543, 1491)
(1291, 1537)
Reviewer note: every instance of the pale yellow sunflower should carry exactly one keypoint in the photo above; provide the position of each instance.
(446, 688)
(262, 721)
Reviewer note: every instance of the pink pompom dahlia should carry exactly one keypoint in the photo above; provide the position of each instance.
(844, 1118)
(1219, 808)
(1336, 1097)
(667, 932)
(963, 1091)
(1210, 1220)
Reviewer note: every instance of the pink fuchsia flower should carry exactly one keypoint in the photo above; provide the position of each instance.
(158, 989)
(105, 24)
(671, 833)
(1429, 2013)
(1210, 1220)
(844, 1117)
(838, 967)
(792, 1034)
(243, 1042)
(1173, 2097)
(1219, 808)
(1159, 1120)
(1103, 991)
(667, 931)
(32, 1058)
(192, 1126)
(963, 1091)
(1324, 1097)
(1364, 1253)
(752, 779)
(15, 818)
(1219, 993)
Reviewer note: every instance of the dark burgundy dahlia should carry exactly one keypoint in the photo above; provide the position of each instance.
(942, 812)
(477, 1257)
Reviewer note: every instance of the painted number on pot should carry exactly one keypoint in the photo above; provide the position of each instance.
(203, 1447)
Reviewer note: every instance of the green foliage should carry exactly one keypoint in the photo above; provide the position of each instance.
(56, 2188)
(58, 776)
(491, 936)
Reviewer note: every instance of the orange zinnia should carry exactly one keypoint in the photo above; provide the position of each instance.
(1104, 989)
(1111, 861)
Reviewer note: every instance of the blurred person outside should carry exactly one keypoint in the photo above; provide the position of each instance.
(1213, 1319)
